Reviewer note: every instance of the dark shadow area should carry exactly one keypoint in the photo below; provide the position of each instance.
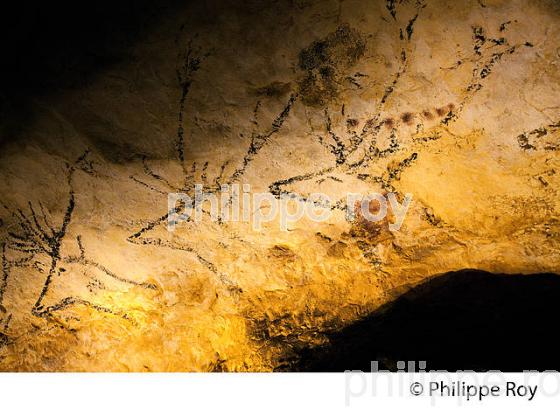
(50, 47)
(47, 46)
(465, 320)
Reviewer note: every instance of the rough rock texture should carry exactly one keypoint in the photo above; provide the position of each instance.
(456, 102)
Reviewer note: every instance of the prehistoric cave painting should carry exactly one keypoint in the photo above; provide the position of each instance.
(185, 77)
(343, 148)
(391, 6)
(325, 62)
(487, 52)
(198, 173)
(36, 241)
(357, 149)
(6, 317)
(353, 150)
(542, 138)
(372, 151)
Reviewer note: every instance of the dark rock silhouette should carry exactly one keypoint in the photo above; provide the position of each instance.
(465, 320)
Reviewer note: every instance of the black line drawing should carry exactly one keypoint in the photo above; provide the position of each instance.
(37, 236)
(161, 185)
(487, 52)
(537, 138)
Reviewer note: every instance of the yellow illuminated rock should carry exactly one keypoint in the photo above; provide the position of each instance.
(454, 102)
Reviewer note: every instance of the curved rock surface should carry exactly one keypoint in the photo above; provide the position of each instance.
(456, 103)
